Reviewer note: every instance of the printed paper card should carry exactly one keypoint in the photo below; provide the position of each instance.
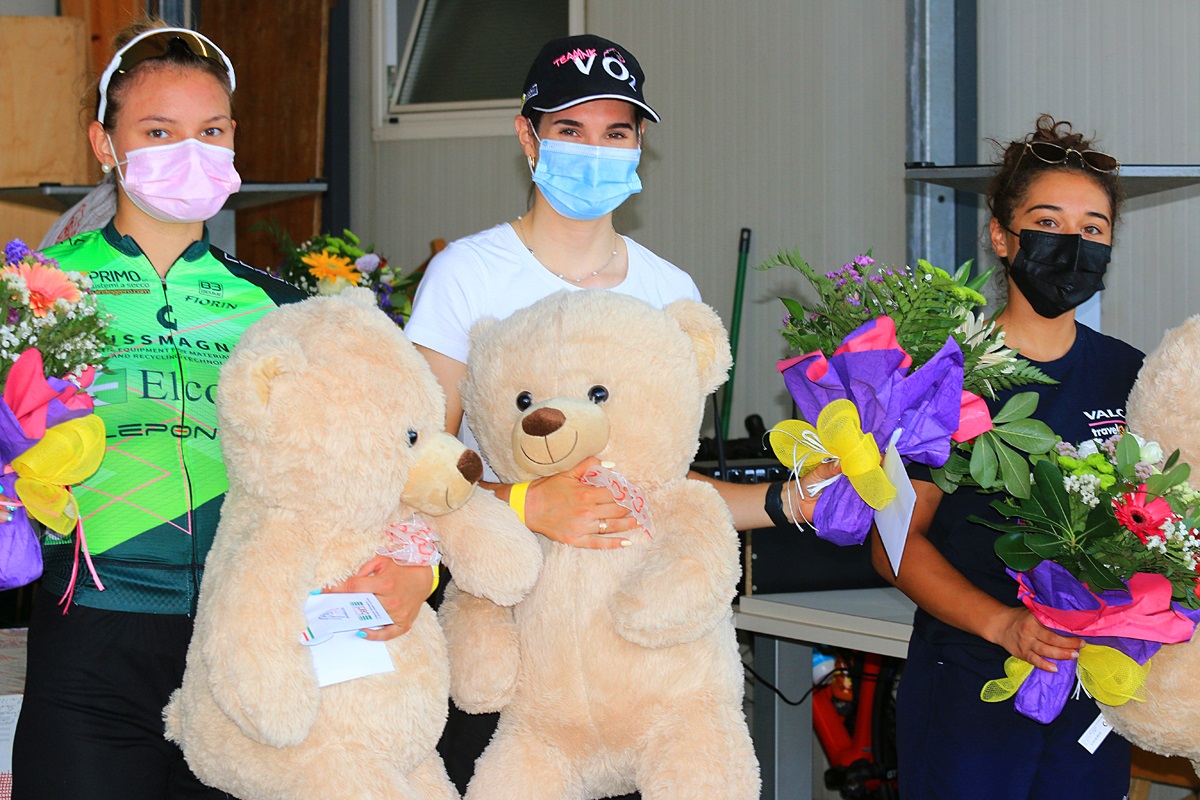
(334, 613)
(344, 657)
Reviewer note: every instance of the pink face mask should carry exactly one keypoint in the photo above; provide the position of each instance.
(184, 182)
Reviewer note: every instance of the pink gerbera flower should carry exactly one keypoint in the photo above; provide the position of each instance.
(1144, 519)
(45, 285)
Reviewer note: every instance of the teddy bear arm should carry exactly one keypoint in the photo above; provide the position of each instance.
(688, 576)
(490, 551)
(484, 650)
(248, 630)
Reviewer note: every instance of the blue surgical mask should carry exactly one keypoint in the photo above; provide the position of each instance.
(580, 181)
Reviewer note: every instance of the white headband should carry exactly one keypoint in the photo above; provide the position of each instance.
(198, 43)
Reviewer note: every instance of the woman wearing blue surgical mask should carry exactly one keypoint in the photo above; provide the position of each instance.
(581, 127)
(1054, 203)
(580, 130)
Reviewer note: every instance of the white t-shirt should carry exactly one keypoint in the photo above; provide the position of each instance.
(493, 274)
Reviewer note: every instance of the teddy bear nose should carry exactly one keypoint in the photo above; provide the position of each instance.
(543, 422)
(470, 466)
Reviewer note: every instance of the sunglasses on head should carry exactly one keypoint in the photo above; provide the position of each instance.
(1052, 153)
(155, 43)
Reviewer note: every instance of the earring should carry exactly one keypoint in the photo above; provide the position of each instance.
(532, 163)
(105, 168)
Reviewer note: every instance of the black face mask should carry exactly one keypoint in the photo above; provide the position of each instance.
(1056, 271)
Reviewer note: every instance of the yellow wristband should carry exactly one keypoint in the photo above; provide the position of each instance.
(516, 498)
(437, 578)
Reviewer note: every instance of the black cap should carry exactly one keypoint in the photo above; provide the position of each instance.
(576, 69)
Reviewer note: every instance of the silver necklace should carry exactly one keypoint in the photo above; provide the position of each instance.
(595, 272)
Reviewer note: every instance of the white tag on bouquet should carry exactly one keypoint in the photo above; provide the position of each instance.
(893, 520)
(1095, 734)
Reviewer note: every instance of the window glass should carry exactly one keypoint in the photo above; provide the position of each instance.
(466, 51)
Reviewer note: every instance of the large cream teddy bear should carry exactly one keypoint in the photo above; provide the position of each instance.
(1163, 407)
(620, 670)
(331, 429)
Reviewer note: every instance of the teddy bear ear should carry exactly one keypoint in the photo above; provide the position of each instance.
(709, 340)
(251, 371)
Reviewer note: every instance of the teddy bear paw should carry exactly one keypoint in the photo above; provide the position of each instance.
(663, 620)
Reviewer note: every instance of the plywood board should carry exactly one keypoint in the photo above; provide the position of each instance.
(43, 62)
(27, 224)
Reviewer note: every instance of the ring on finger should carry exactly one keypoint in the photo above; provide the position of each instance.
(603, 525)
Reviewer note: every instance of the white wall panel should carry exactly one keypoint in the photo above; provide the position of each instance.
(784, 116)
(1130, 72)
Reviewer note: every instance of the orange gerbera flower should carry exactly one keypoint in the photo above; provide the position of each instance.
(325, 265)
(46, 285)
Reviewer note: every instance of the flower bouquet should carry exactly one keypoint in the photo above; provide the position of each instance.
(51, 337)
(898, 356)
(1104, 547)
(327, 264)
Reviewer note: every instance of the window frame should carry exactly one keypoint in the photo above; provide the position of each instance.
(440, 120)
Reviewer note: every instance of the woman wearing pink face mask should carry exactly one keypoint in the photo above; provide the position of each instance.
(104, 659)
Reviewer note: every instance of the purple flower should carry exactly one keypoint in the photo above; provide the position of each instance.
(876, 279)
(15, 251)
(367, 263)
(831, 275)
(841, 282)
(856, 278)
(863, 261)
(813, 317)
(14, 316)
(853, 301)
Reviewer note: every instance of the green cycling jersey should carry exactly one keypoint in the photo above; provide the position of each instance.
(150, 511)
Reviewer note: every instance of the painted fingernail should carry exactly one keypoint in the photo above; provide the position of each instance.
(361, 634)
(608, 464)
(1074, 654)
(625, 543)
(315, 591)
(1053, 667)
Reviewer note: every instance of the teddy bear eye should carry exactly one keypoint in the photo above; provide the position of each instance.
(412, 438)
(597, 394)
(524, 401)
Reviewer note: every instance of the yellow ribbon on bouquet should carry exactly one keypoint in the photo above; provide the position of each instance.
(68, 453)
(1109, 675)
(839, 434)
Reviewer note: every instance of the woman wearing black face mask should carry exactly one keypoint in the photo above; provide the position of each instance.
(1054, 202)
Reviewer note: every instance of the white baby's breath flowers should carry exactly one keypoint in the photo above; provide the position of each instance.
(1085, 486)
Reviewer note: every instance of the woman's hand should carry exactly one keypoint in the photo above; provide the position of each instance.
(401, 591)
(1019, 632)
(800, 508)
(565, 509)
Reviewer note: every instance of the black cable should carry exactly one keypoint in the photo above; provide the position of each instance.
(815, 686)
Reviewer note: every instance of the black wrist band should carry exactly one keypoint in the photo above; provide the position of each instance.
(773, 505)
